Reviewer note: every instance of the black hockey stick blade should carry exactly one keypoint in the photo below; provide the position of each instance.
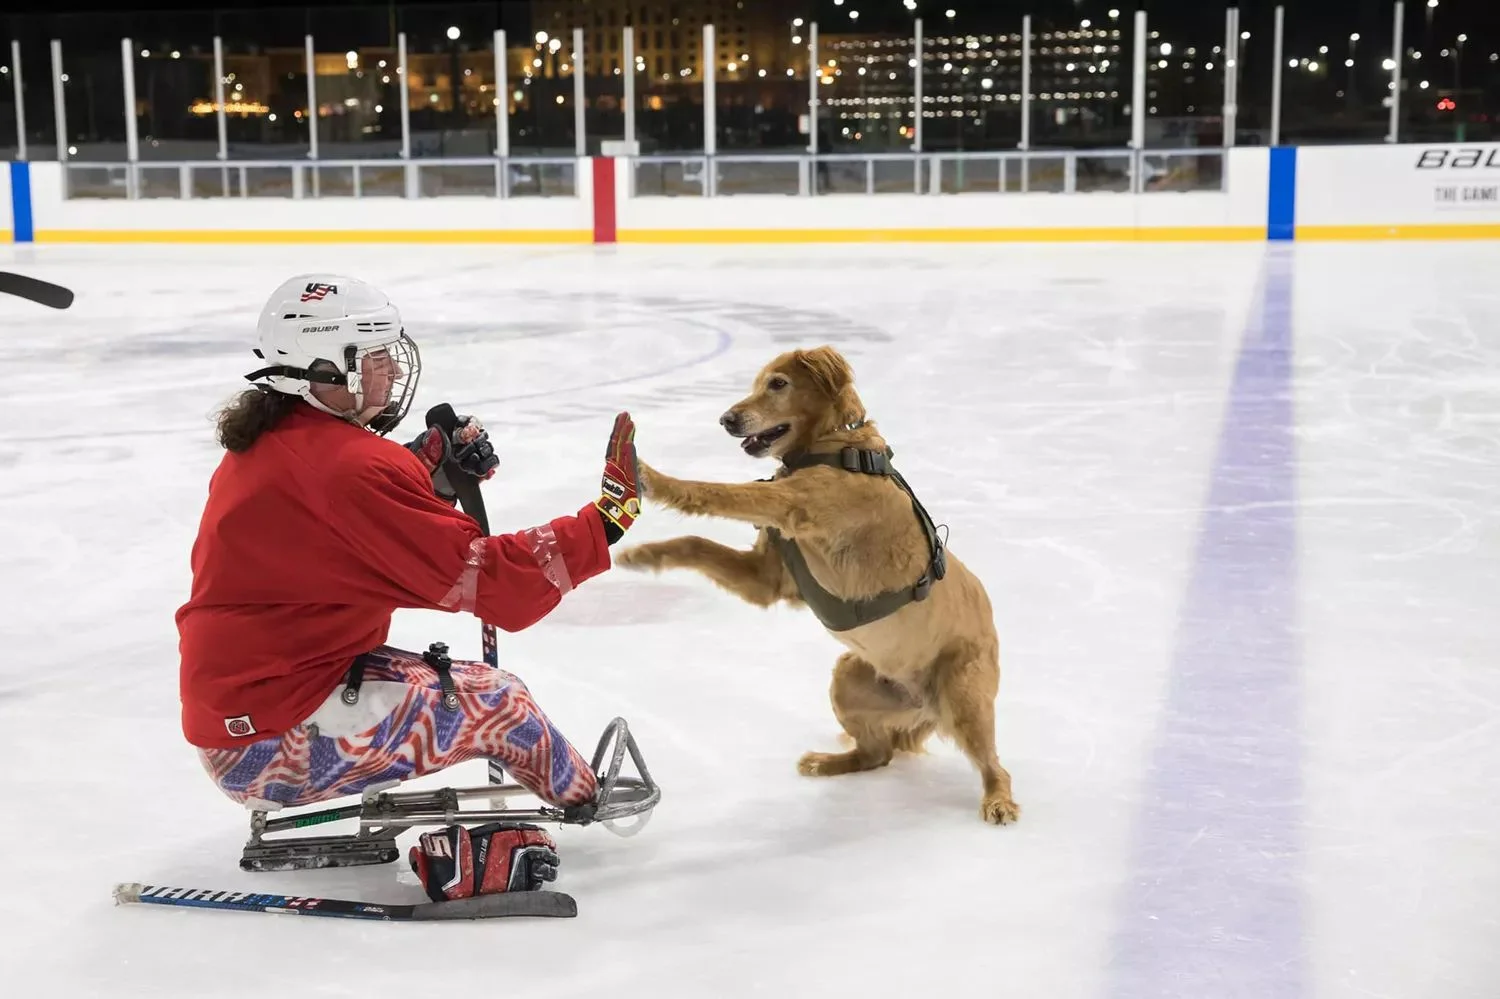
(540, 904)
(54, 296)
(548, 904)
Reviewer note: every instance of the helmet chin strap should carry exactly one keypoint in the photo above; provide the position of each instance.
(353, 382)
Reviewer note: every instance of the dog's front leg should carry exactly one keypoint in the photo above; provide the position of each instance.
(753, 576)
(764, 504)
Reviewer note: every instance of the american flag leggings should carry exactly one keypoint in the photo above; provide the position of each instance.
(400, 729)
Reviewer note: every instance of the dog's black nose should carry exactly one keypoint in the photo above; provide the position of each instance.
(730, 421)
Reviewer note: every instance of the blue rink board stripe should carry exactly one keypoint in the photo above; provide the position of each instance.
(20, 203)
(1281, 196)
(1212, 905)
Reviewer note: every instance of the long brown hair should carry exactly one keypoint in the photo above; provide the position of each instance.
(250, 414)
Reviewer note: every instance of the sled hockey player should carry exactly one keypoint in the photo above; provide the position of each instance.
(316, 529)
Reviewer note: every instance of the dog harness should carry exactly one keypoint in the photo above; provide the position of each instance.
(836, 613)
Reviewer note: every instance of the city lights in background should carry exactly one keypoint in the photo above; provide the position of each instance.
(1081, 67)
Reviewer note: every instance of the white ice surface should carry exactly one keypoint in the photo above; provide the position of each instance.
(1058, 408)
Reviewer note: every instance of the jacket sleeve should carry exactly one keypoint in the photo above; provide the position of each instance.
(418, 552)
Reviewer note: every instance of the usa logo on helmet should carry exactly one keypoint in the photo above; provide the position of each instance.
(314, 292)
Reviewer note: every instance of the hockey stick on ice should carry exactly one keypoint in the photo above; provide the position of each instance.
(54, 296)
(554, 904)
(466, 488)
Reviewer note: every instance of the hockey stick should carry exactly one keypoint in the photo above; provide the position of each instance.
(32, 289)
(554, 904)
(466, 488)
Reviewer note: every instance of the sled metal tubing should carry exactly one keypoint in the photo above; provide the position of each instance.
(391, 813)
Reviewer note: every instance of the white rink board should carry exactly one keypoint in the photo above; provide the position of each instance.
(1442, 185)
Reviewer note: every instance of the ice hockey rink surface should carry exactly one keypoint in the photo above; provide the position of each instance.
(1235, 507)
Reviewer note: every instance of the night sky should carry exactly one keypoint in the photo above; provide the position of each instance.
(1309, 23)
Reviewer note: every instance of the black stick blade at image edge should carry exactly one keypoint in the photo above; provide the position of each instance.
(54, 296)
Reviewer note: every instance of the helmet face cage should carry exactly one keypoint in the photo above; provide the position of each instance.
(408, 361)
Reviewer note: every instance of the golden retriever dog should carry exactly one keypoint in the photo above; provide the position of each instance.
(840, 532)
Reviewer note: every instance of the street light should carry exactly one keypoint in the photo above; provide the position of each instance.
(453, 33)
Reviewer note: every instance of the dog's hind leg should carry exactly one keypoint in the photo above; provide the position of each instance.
(966, 692)
(880, 716)
(754, 576)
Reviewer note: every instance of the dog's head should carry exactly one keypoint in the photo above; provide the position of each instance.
(797, 398)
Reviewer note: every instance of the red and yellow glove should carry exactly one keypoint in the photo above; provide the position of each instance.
(620, 492)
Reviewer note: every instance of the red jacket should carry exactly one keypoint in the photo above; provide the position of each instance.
(309, 542)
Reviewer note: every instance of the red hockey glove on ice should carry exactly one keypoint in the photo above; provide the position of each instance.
(469, 446)
(455, 862)
(620, 492)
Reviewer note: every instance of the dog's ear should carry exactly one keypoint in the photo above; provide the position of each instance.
(829, 371)
(833, 376)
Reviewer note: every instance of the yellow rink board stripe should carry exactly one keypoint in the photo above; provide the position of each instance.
(314, 236)
(947, 235)
(1326, 233)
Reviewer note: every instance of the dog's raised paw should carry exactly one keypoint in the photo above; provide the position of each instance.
(638, 557)
(999, 810)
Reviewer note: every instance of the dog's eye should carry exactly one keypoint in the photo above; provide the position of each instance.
(776, 384)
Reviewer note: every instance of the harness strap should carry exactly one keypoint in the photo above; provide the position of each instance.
(838, 614)
(437, 657)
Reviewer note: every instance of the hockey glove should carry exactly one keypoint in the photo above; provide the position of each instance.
(620, 493)
(469, 446)
(455, 862)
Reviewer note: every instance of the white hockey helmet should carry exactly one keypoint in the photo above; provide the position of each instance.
(319, 328)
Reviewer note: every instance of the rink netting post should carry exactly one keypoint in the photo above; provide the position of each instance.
(132, 125)
(411, 186)
(628, 45)
(15, 79)
(812, 104)
(580, 120)
(220, 115)
(1277, 51)
(312, 112)
(1231, 73)
(60, 111)
(916, 102)
(502, 117)
(710, 109)
(1396, 34)
(1025, 143)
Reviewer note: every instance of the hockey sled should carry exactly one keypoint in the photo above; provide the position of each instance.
(384, 814)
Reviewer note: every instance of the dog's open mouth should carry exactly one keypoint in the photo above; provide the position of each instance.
(756, 445)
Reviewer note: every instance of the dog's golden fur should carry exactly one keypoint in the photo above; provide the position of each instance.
(932, 666)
